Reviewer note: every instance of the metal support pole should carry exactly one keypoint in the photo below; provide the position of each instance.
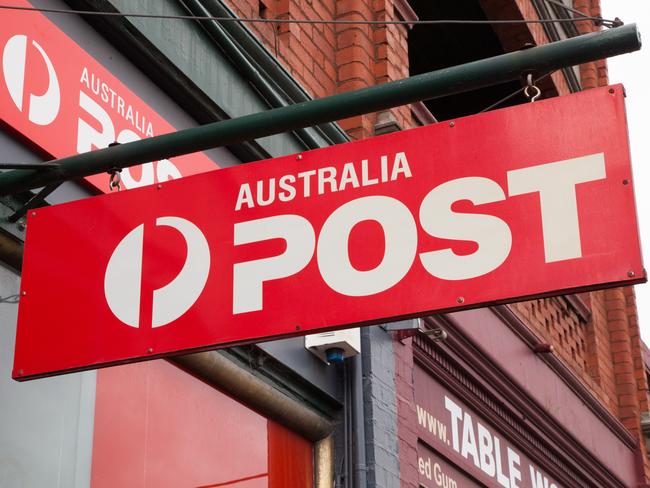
(448, 81)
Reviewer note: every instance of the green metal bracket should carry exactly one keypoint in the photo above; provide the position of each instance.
(448, 81)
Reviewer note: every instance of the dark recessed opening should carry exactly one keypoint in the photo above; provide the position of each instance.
(433, 47)
(263, 9)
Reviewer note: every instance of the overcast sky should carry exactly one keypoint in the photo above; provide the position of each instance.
(633, 70)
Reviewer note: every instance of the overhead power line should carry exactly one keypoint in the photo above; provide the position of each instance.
(599, 20)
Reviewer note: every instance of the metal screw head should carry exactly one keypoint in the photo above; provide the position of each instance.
(297, 327)
(626, 181)
(24, 293)
(299, 157)
(611, 90)
(452, 124)
(20, 372)
(21, 225)
(33, 214)
(460, 300)
(631, 274)
(159, 186)
(150, 350)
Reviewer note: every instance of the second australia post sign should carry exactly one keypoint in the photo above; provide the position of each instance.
(521, 202)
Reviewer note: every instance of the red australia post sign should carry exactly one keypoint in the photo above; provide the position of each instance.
(64, 102)
(526, 201)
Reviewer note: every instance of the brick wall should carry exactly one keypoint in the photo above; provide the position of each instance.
(560, 325)
(621, 368)
(327, 59)
(604, 350)
(595, 73)
(599, 353)
(611, 361)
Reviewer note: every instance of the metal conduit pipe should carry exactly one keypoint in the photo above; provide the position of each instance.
(269, 64)
(217, 370)
(358, 423)
(11, 250)
(448, 81)
(246, 66)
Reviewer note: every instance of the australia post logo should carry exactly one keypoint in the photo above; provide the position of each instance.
(43, 108)
(64, 102)
(123, 278)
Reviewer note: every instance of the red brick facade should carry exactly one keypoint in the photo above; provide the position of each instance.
(602, 346)
(328, 59)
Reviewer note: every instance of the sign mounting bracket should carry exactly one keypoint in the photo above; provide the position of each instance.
(447, 81)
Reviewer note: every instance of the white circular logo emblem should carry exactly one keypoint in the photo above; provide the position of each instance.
(123, 278)
(43, 108)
